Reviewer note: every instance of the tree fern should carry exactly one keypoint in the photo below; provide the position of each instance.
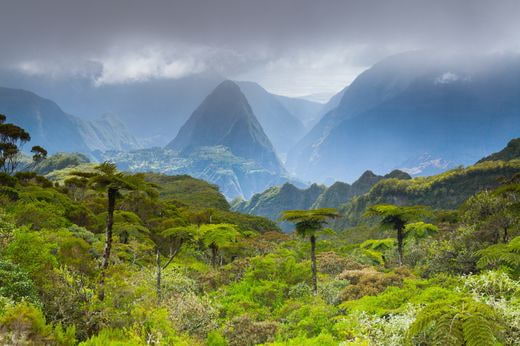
(506, 255)
(459, 321)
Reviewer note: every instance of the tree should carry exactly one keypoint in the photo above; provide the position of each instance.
(169, 243)
(307, 224)
(397, 218)
(107, 178)
(215, 236)
(12, 139)
(39, 153)
(492, 213)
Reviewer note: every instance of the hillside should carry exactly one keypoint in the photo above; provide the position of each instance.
(188, 190)
(510, 152)
(443, 191)
(274, 200)
(58, 131)
(235, 176)
(417, 111)
(270, 113)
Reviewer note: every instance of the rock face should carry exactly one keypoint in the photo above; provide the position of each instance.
(418, 111)
(57, 131)
(274, 200)
(225, 118)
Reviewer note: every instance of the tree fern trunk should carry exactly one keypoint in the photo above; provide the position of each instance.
(158, 262)
(108, 241)
(313, 264)
(400, 240)
(214, 254)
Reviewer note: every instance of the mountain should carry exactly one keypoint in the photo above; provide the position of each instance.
(55, 130)
(271, 113)
(510, 152)
(276, 199)
(109, 132)
(419, 111)
(306, 111)
(225, 118)
(447, 190)
(153, 109)
(235, 176)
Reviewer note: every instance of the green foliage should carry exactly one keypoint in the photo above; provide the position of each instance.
(187, 190)
(112, 337)
(16, 284)
(39, 215)
(447, 190)
(394, 216)
(260, 288)
(375, 249)
(420, 230)
(59, 161)
(25, 324)
(507, 255)
(308, 319)
(460, 321)
(215, 339)
(308, 222)
(320, 340)
(31, 253)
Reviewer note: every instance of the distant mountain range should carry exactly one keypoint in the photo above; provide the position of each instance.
(418, 111)
(443, 191)
(55, 130)
(222, 142)
(276, 199)
(155, 109)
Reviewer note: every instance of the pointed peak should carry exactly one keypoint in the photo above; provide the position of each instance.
(367, 174)
(228, 85)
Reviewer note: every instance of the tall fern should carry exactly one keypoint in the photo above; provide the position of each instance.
(456, 321)
(506, 255)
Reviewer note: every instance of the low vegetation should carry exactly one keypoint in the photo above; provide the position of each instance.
(103, 257)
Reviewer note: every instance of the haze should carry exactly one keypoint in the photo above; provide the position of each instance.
(290, 47)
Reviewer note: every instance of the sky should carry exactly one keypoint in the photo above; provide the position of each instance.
(290, 47)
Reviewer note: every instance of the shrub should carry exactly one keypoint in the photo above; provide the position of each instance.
(307, 319)
(25, 324)
(244, 331)
(112, 337)
(495, 284)
(16, 284)
(369, 281)
(320, 340)
(7, 180)
(39, 215)
(332, 263)
(192, 314)
(31, 253)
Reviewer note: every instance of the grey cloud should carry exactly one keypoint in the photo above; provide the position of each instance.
(236, 35)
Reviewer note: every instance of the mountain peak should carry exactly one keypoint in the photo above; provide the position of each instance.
(227, 86)
(226, 118)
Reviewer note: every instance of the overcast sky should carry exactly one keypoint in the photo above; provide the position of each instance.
(291, 47)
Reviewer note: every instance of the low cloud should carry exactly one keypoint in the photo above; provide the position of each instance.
(308, 42)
